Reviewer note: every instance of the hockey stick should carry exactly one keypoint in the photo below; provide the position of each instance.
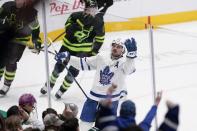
(76, 82)
(51, 41)
(58, 36)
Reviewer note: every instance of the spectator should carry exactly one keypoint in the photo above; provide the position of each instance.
(52, 122)
(15, 110)
(48, 111)
(2, 123)
(13, 123)
(107, 118)
(128, 113)
(70, 125)
(70, 111)
(171, 120)
(27, 102)
(3, 113)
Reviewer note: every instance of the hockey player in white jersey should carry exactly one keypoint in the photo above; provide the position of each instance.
(111, 68)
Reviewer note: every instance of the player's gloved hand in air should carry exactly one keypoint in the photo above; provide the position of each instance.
(131, 47)
(62, 57)
(109, 3)
(37, 45)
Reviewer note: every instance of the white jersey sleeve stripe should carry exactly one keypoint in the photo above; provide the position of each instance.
(99, 97)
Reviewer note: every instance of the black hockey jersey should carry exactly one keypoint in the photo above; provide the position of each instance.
(19, 23)
(84, 33)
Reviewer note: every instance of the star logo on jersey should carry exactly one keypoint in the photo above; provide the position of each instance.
(106, 76)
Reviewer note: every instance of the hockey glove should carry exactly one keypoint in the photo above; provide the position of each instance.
(131, 47)
(109, 3)
(37, 45)
(62, 57)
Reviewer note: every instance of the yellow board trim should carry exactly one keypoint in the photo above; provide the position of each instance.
(140, 23)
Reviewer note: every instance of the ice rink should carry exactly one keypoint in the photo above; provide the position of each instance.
(176, 74)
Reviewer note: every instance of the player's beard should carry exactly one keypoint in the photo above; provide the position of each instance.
(115, 55)
(91, 11)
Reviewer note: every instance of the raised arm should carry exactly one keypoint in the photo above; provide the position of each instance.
(146, 123)
(131, 47)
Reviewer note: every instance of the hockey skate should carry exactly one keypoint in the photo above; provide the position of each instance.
(59, 94)
(4, 90)
(44, 90)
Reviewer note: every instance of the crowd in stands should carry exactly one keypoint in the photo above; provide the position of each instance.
(23, 117)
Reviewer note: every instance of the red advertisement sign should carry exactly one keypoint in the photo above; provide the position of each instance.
(63, 7)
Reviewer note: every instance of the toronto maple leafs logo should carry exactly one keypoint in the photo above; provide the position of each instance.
(105, 76)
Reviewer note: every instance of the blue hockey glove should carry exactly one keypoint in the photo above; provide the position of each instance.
(131, 47)
(62, 57)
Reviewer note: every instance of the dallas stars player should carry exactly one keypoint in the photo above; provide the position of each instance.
(18, 23)
(83, 38)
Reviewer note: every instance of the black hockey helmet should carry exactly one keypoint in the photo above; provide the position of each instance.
(91, 3)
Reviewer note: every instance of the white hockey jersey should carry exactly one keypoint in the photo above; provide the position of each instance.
(108, 71)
